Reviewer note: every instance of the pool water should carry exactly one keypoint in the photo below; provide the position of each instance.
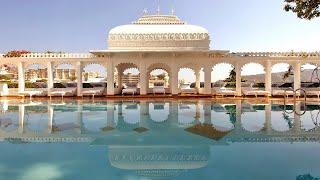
(169, 139)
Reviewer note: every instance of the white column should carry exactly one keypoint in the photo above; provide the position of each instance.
(79, 78)
(110, 78)
(120, 80)
(50, 76)
(143, 79)
(174, 80)
(64, 74)
(197, 73)
(21, 118)
(21, 77)
(297, 75)
(207, 80)
(268, 76)
(238, 79)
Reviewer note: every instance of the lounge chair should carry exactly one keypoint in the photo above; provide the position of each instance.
(96, 91)
(226, 92)
(221, 90)
(186, 89)
(130, 89)
(250, 91)
(158, 89)
(33, 92)
(63, 92)
(313, 92)
(282, 92)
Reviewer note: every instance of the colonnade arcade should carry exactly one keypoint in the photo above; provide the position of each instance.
(116, 63)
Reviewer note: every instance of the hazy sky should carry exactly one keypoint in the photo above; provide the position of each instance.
(83, 25)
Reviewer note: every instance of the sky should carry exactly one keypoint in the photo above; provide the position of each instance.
(83, 25)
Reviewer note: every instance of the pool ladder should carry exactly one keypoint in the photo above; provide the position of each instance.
(295, 95)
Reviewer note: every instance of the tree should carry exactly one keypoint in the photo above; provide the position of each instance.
(232, 76)
(288, 73)
(305, 9)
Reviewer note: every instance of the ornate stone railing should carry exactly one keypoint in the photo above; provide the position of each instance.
(277, 54)
(54, 55)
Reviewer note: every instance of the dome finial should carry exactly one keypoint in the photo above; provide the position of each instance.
(173, 11)
(145, 11)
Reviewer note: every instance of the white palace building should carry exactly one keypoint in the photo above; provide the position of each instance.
(156, 42)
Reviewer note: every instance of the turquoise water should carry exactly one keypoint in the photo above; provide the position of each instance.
(158, 140)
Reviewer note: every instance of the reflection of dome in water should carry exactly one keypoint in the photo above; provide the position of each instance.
(159, 158)
(159, 32)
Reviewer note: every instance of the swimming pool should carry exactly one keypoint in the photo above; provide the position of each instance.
(169, 139)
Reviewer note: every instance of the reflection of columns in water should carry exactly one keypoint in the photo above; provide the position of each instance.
(238, 127)
(268, 118)
(80, 118)
(173, 116)
(207, 113)
(21, 118)
(297, 121)
(198, 116)
(143, 114)
(50, 118)
(110, 114)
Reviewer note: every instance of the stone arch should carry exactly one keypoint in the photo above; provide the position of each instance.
(310, 75)
(282, 76)
(245, 65)
(223, 73)
(9, 74)
(125, 77)
(157, 70)
(159, 66)
(36, 72)
(186, 75)
(253, 75)
(64, 72)
(94, 72)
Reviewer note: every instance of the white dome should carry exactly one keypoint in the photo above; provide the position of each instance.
(159, 32)
(150, 29)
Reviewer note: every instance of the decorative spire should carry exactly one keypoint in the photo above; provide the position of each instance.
(145, 11)
(173, 11)
(158, 9)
